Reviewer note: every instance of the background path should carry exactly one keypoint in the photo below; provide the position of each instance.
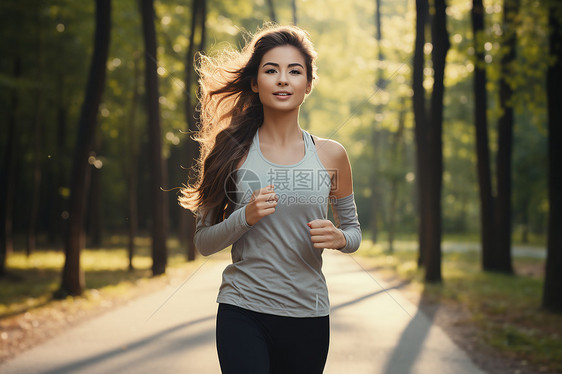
(374, 330)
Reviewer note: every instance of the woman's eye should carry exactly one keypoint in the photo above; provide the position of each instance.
(295, 72)
(270, 71)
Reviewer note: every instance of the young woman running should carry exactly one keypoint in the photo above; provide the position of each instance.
(263, 186)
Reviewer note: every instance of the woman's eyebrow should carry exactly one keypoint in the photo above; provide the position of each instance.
(277, 65)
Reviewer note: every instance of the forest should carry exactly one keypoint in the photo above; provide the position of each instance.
(449, 111)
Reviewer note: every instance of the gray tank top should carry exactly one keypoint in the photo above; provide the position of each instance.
(275, 268)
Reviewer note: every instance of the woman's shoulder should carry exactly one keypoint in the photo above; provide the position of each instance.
(329, 147)
(332, 154)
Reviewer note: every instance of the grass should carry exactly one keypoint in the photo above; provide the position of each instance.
(32, 280)
(504, 310)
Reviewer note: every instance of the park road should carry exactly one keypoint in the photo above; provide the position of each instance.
(373, 330)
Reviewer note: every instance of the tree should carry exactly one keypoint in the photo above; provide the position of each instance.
(8, 173)
(72, 276)
(191, 149)
(553, 277)
(440, 40)
(420, 117)
(429, 134)
(482, 148)
(37, 146)
(159, 250)
(501, 258)
(131, 171)
(270, 5)
(375, 132)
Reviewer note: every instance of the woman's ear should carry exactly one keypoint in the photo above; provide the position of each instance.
(254, 86)
(308, 87)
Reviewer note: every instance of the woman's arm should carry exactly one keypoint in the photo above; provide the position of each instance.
(345, 215)
(346, 234)
(210, 239)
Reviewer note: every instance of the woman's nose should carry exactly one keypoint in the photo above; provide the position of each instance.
(282, 80)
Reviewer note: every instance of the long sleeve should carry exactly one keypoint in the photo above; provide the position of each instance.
(345, 214)
(209, 239)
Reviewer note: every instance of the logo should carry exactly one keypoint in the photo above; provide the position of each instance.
(241, 177)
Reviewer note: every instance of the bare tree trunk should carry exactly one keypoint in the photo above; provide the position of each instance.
(502, 256)
(72, 275)
(396, 177)
(420, 117)
(132, 169)
(37, 149)
(7, 181)
(441, 45)
(375, 133)
(56, 224)
(294, 8)
(159, 250)
(482, 142)
(553, 276)
(429, 136)
(95, 227)
(191, 148)
(7, 188)
(34, 211)
(271, 6)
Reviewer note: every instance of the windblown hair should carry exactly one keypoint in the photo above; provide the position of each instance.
(231, 113)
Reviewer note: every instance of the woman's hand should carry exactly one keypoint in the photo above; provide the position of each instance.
(324, 234)
(262, 203)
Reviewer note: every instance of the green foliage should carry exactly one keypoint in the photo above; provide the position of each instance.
(375, 124)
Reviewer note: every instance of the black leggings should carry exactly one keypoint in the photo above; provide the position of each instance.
(256, 343)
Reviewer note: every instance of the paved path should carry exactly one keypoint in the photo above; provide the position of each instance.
(374, 330)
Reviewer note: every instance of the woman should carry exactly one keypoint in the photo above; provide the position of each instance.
(263, 187)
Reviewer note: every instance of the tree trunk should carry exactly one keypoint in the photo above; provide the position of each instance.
(421, 121)
(159, 250)
(440, 39)
(270, 5)
(294, 9)
(72, 276)
(95, 227)
(34, 211)
(396, 176)
(482, 142)
(502, 255)
(428, 133)
(551, 298)
(56, 224)
(7, 188)
(376, 206)
(191, 148)
(375, 133)
(132, 169)
(37, 149)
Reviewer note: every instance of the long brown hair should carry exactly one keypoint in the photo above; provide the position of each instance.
(231, 113)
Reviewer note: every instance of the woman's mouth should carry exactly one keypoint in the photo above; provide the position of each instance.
(282, 95)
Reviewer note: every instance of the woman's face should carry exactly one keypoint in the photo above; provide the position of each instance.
(282, 82)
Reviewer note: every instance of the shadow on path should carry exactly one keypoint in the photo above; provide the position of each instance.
(365, 297)
(183, 344)
(411, 341)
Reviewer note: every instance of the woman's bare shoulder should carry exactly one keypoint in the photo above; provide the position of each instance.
(330, 149)
(334, 158)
